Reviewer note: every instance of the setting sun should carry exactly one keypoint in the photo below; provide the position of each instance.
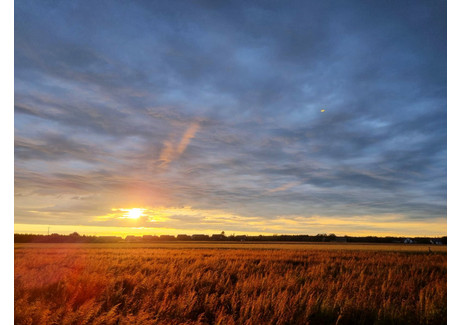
(134, 213)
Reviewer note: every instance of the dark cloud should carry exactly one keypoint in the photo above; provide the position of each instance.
(52, 147)
(216, 105)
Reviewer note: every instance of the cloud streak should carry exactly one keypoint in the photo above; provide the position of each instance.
(171, 151)
(283, 187)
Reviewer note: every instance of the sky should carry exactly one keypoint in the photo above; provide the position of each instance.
(261, 117)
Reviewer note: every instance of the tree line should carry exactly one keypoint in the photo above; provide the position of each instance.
(77, 238)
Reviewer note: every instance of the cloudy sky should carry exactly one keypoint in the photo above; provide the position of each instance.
(205, 116)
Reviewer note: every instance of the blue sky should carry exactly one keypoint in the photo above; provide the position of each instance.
(207, 116)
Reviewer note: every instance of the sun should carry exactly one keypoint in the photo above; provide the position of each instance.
(134, 213)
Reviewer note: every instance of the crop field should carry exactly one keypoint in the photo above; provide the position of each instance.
(250, 283)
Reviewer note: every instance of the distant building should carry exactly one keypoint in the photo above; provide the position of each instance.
(183, 237)
(408, 241)
(241, 237)
(109, 239)
(200, 237)
(435, 242)
(218, 237)
(133, 239)
(167, 237)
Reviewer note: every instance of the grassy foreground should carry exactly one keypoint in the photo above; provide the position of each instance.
(151, 284)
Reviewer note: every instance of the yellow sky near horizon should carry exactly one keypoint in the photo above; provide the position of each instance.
(187, 220)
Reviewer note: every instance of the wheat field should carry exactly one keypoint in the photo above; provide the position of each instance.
(212, 284)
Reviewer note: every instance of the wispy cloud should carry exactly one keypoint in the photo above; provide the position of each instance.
(172, 151)
(188, 135)
(283, 187)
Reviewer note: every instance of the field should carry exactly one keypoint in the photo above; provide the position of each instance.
(247, 283)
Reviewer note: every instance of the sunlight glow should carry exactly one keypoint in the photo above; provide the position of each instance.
(134, 213)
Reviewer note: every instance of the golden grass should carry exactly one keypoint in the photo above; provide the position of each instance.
(173, 284)
(249, 245)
